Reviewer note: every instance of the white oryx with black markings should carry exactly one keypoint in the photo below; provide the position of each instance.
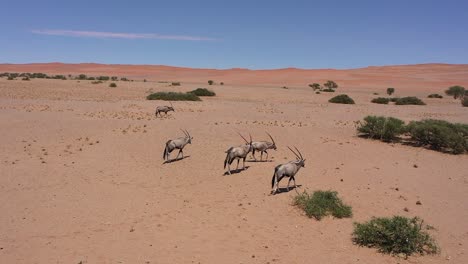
(263, 146)
(178, 143)
(164, 109)
(287, 170)
(238, 153)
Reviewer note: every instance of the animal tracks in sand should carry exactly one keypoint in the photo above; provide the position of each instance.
(275, 123)
(132, 129)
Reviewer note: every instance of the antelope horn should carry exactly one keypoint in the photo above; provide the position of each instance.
(271, 138)
(299, 152)
(243, 138)
(188, 133)
(250, 138)
(171, 104)
(297, 156)
(183, 132)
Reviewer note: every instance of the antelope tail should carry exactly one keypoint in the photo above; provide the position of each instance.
(273, 178)
(226, 159)
(166, 150)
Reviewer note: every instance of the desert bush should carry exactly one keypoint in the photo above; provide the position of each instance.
(330, 84)
(285, 87)
(341, 99)
(435, 96)
(112, 85)
(317, 92)
(321, 204)
(203, 92)
(410, 100)
(456, 91)
(380, 100)
(103, 78)
(464, 101)
(390, 91)
(315, 86)
(394, 99)
(96, 82)
(439, 135)
(81, 77)
(144, 80)
(91, 79)
(10, 78)
(376, 93)
(175, 83)
(173, 96)
(221, 83)
(396, 235)
(328, 90)
(380, 127)
(124, 79)
(210, 82)
(114, 78)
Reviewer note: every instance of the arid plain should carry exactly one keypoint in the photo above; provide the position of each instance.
(83, 180)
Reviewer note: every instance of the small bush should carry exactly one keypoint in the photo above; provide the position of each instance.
(328, 90)
(112, 85)
(376, 93)
(331, 85)
(124, 79)
(317, 92)
(175, 83)
(390, 91)
(410, 100)
(221, 83)
(203, 92)
(341, 99)
(210, 82)
(380, 127)
(396, 235)
(455, 91)
(439, 135)
(96, 82)
(435, 96)
(315, 86)
(394, 99)
(285, 87)
(10, 78)
(380, 100)
(91, 79)
(464, 101)
(173, 96)
(321, 204)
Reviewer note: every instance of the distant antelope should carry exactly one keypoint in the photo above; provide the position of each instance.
(263, 146)
(238, 153)
(287, 170)
(164, 109)
(178, 143)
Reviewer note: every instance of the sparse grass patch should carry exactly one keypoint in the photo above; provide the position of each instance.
(328, 90)
(380, 127)
(203, 92)
(435, 96)
(321, 204)
(112, 85)
(380, 100)
(410, 100)
(341, 99)
(464, 101)
(175, 83)
(96, 82)
(394, 99)
(173, 96)
(396, 235)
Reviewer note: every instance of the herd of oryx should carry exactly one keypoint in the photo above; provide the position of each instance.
(238, 153)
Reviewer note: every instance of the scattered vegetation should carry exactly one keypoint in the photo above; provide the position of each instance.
(82, 77)
(221, 83)
(464, 101)
(203, 92)
(96, 82)
(112, 85)
(10, 78)
(396, 235)
(173, 96)
(124, 79)
(439, 135)
(315, 86)
(394, 99)
(410, 100)
(317, 92)
(330, 84)
(102, 78)
(321, 204)
(328, 90)
(341, 99)
(380, 100)
(435, 96)
(380, 127)
(376, 93)
(26, 78)
(210, 82)
(455, 91)
(390, 91)
(175, 83)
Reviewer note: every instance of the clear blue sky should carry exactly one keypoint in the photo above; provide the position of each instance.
(245, 34)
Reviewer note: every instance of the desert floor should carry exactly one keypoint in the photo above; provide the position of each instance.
(83, 180)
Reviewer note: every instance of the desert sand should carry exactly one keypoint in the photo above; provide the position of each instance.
(83, 180)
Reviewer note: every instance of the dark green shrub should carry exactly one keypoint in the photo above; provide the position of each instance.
(103, 78)
(341, 99)
(175, 83)
(173, 96)
(114, 78)
(328, 90)
(410, 100)
(330, 85)
(390, 91)
(456, 91)
(435, 96)
(439, 135)
(396, 235)
(321, 204)
(317, 92)
(210, 82)
(221, 83)
(112, 85)
(464, 101)
(82, 77)
(124, 79)
(315, 86)
(96, 82)
(394, 99)
(380, 127)
(10, 78)
(203, 92)
(380, 100)
(91, 78)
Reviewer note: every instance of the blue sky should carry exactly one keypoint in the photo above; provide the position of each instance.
(244, 34)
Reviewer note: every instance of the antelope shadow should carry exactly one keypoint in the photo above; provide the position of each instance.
(236, 171)
(174, 160)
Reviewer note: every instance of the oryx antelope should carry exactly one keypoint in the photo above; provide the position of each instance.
(287, 170)
(165, 109)
(178, 143)
(263, 146)
(238, 153)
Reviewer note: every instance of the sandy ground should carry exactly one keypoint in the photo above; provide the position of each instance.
(83, 180)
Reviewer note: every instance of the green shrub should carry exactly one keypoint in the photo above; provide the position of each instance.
(221, 83)
(330, 85)
(464, 101)
(380, 127)
(315, 86)
(112, 85)
(103, 78)
(91, 78)
(96, 82)
(341, 99)
(328, 90)
(203, 92)
(114, 78)
(124, 79)
(380, 100)
(410, 100)
(439, 135)
(175, 83)
(82, 77)
(435, 96)
(173, 96)
(10, 78)
(455, 91)
(317, 92)
(210, 82)
(390, 91)
(396, 235)
(394, 99)
(321, 204)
